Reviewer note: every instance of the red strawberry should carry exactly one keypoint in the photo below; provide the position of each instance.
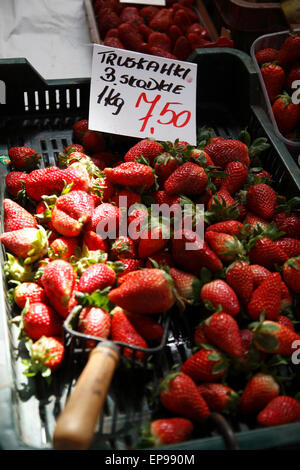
(129, 266)
(146, 326)
(107, 19)
(189, 179)
(134, 175)
(123, 247)
(291, 274)
(73, 148)
(148, 12)
(58, 280)
(126, 198)
(259, 391)
(240, 278)
(290, 49)
(237, 176)
(29, 243)
(291, 246)
(222, 206)
(207, 365)
(16, 217)
(182, 48)
(219, 294)
(97, 276)
(223, 331)
(161, 40)
(265, 252)
(283, 320)
(162, 197)
(40, 320)
(261, 199)
(275, 338)
(103, 159)
(123, 331)
(286, 113)
(274, 78)
(146, 148)
(288, 222)
(219, 397)
(293, 74)
(260, 273)
(80, 128)
(71, 212)
(223, 151)
(94, 321)
(151, 242)
(280, 410)
(286, 297)
(63, 248)
(46, 356)
(191, 253)
(31, 291)
(231, 227)
(15, 181)
(186, 284)
(226, 247)
(161, 258)
(254, 222)
(266, 55)
(94, 242)
(130, 37)
(161, 20)
(145, 31)
(168, 431)
(105, 220)
(102, 187)
(266, 298)
(146, 291)
(165, 165)
(93, 142)
(23, 158)
(179, 394)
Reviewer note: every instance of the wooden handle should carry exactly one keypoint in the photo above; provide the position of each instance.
(76, 424)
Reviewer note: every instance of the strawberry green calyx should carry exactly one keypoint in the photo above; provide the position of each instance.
(39, 246)
(15, 269)
(87, 258)
(98, 298)
(264, 335)
(39, 355)
(220, 210)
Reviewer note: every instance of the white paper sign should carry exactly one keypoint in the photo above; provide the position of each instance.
(141, 95)
(145, 2)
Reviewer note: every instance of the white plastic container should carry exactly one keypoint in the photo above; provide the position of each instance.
(274, 40)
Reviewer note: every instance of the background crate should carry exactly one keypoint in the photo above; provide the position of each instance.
(28, 408)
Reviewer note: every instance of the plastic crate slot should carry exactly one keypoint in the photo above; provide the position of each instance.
(43, 145)
(68, 102)
(26, 107)
(47, 99)
(78, 97)
(54, 144)
(36, 98)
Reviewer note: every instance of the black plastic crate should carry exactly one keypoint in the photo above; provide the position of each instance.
(227, 101)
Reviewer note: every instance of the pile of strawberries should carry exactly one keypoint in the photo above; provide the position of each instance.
(241, 280)
(280, 68)
(173, 31)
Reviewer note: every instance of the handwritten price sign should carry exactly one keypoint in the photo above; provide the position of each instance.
(142, 95)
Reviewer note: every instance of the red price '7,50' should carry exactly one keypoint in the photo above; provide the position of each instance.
(176, 119)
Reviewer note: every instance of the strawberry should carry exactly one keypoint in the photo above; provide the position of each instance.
(259, 391)
(265, 252)
(147, 148)
(107, 19)
(266, 298)
(199, 336)
(161, 40)
(46, 356)
(103, 188)
(290, 49)
(130, 37)
(191, 253)
(179, 394)
(274, 78)
(147, 291)
(222, 206)
(23, 158)
(123, 331)
(105, 220)
(151, 242)
(71, 212)
(239, 276)
(182, 48)
(275, 338)
(286, 113)
(93, 321)
(123, 247)
(186, 284)
(167, 431)
(291, 246)
(129, 266)
(219, 397)
(148, 12)
(291, 274)
(134, 175)
(15, 181)
(223, 151)
(219, 294)
(63, 248)
(189, 179)
(31, 291)
(80, 128)
(145, 31)
(96, 277)
(29, 243)
(161, 258)
(103, 159)
(266, 55)
(94, 242)
(226, 247)
(16, 217)
(126, 198)
(174, 32)
(162, 197)
(231, 227)
(237, 176)
(261, 199)
(280, 410)
(286, 297)
(255, 222)
(40, 320)
(207, 365)
(260, 273)
(161, 20)
(93, 142)
(283, 320)
(288, 222)
(165, 165)
(58, 280)
(146, 326)
(293, 74)
(73, 148)
(222, 330)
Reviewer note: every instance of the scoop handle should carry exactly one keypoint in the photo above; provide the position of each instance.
(75, 426)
